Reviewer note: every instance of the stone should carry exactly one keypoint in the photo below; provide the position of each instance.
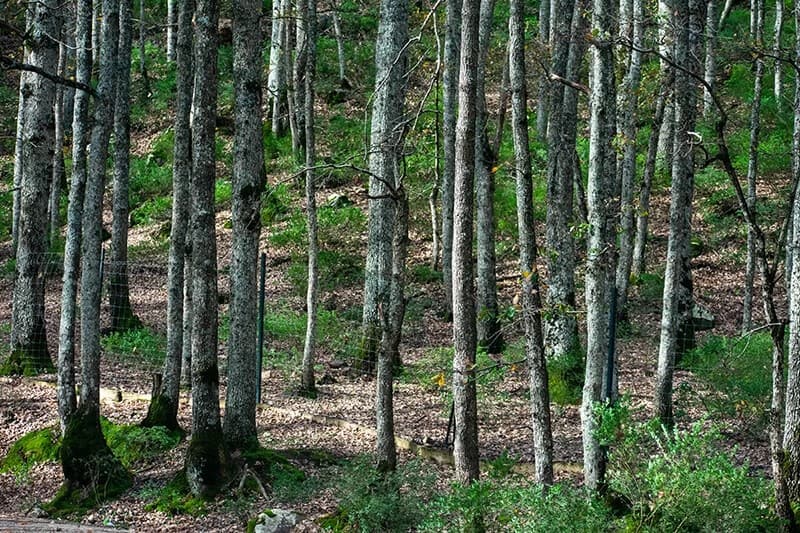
(276, 521)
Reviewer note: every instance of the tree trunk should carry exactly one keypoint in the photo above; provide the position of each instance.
(298, 82)
(752, 169)
(249, 178)
(531, 299)
(142, 50)
(122, 315)
(206, 459)
(452, 46)
(29, 352)
(307, 385)
(600, 254)
(490, 335)
(676, 309)
(777, 82)
(465, 404)
(666, 46)
(543, 102)
(561, 329)
(80, 137)
(172, 29)
(59, 172)
(385, 137)
(163, 408)
(629, 103)
(337, 33)
(392, 323)
(710, 72)
(276, 80)
(643, 214)
(89, 465)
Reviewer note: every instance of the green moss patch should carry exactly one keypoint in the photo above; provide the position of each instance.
(177, 499)
(36, 447)
(136, 444)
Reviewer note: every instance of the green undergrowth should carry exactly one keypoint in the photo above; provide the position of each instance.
(134, 444)
(38, 446)
(175, 498)
(737, 374)
(141, 344)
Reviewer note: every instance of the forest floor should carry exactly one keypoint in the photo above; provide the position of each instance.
(339, 421)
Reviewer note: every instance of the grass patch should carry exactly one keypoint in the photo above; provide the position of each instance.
(140, 344)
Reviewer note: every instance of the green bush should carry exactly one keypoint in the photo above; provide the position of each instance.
(373, 501)
(738, 373)
(681, 480)
(496, 505)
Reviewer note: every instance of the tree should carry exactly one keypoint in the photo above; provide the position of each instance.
(531, 299)
(629, 103)
(163, 408)
(172, 29)
(710, 72)
(307, 385)
(488, 328)
(752, 166)
(206, 460)
(249, 178)
(452, 51)
(90, 468)
(59, 171)
(542, 102)
(777, 82)
(122, 315)
(29, 352)
(676, 311)
(80, 132)
(465, 403)
(561, 329)
(601, 247)
(384, 151)
(276, 80)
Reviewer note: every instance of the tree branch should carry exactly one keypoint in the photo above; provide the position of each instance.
(9, 64)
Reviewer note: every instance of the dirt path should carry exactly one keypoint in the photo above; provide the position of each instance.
(36, 524)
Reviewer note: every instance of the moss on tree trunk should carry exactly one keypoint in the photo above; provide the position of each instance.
(162, 412)
(207, 464)
(91, 471)
(28, 360)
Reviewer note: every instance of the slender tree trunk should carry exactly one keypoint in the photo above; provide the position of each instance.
(710, 72)
(307, 385)
(726, 10)
(791, 432)
(29, 351)
(752, 169)
(385, 143)
(452, 51)
(337, 33)
(205, 458)
(600, 254)
(666, 45)
(531, 298)
(643, 214)
(163, 409)
(88, 464)
(249, 178)
(629, 103)
(188, 308)
(676, 311)
(490, 335)
(276, 80)
(392, 318)
(172, 29)
(298, 81)
(465, 404)
(777, 82)
(59, 172)
(72, 246)
(560, 325)
(122, 315)
(19, 160)
(544, 100)
(142, 50)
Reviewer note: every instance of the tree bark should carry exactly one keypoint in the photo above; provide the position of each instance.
(276, 80)
(307, 385)
(676, 309)
(172, 29)
(543, 102)
(710, 72)
(600, 254)
(206, 459)
(452, 51)
(385, 143)
(777, 82)
(163, 409)
(59, 172)
(752, 168)
(465, 404)
(249, 178)
(80, 136)
(531, 298)
(122, 315)
(628, 130)
(490, 335)
(29, 351)
(298, 82)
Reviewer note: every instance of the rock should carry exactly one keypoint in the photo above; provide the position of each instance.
(37, 512)
(337, 201)
(702, 319)
(276, 521)
(337, 363)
